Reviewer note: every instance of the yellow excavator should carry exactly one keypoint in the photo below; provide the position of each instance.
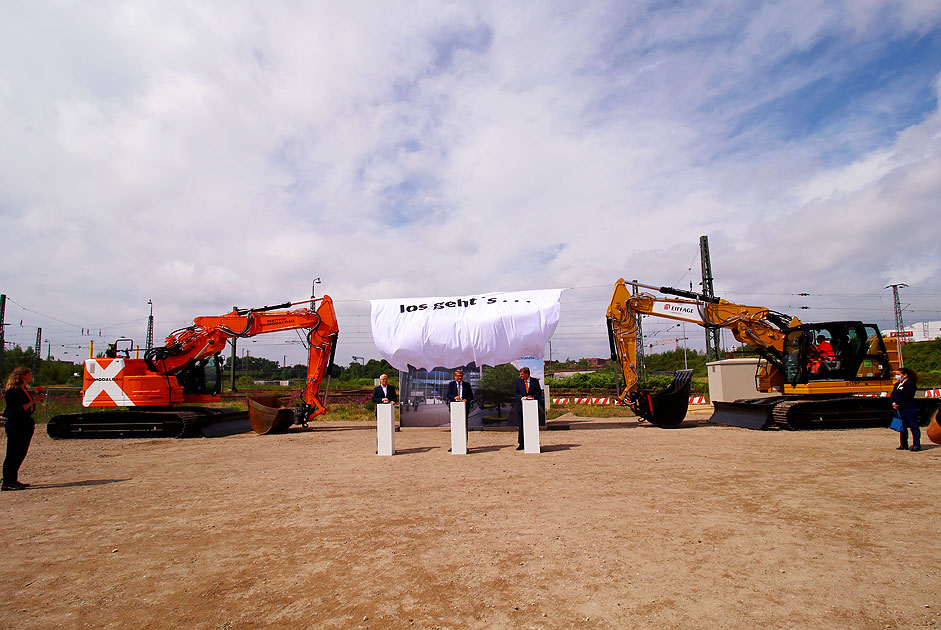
(827, 374)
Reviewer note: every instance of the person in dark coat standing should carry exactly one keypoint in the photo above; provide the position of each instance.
(459, 391)
(384, 393)
(525, 388)
(20, 405)
(903, 401)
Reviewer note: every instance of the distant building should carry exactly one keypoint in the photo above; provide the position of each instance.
(922, 331)
(430, 386)
(423, 393)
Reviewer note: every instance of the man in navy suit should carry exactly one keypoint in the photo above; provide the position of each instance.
(459, 391)
(525, 388)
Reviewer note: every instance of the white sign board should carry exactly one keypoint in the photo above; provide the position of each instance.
(677, 310)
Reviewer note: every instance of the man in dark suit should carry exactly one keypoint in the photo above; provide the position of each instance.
(525, 388)
(459, 391)
(384, 393)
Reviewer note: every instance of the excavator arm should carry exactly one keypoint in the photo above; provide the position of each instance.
(322, 346)
(755, 326)
(208, 336)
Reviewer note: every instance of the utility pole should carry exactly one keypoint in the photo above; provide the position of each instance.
(712, 334)
(639, 340)
(899, 326)
(38, 349)
(3, 311)
(150, 326)
(234, 357)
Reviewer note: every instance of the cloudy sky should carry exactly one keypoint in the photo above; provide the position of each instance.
(209, 154)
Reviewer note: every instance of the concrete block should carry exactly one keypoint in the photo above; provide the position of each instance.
(458, 428)
(530, 426)
(385, 428)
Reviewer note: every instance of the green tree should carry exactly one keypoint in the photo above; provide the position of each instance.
(375, 369)
(17, 357)
(360, 374)
(602, 379)
(496, 386)
(59, 373)
(924, 358)
(673, 360)
(257, 368)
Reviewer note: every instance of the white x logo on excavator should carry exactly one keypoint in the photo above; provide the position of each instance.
(104, 382)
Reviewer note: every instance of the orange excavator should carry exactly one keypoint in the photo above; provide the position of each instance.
(158, 395)
(827, 374)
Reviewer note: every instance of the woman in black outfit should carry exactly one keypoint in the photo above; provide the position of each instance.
(20, 425)
(903, 401)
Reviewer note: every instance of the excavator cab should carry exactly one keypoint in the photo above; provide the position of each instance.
(120, 348)
(843, 351)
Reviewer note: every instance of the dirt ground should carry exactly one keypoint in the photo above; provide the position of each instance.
(614, 525)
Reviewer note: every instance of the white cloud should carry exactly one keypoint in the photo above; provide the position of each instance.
(217, 154)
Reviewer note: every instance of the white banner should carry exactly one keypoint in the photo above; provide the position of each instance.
(486, 329)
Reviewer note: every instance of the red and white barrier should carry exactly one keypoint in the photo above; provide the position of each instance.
(582, 401)
(693, 400)
(700, 400)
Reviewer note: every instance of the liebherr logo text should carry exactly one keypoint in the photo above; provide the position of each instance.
(689, 310)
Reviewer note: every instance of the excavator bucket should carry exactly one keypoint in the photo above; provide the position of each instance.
(666, 408)
(934, 429)
(268, 414)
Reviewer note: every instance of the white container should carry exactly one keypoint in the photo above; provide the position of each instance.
(733, 379)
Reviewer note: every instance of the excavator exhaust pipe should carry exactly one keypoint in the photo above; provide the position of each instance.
(665, 408)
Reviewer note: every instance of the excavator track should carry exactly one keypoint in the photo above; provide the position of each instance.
(792, 414)
(832, 413)
(129, 423)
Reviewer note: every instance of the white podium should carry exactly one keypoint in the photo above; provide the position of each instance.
(385, 428)
(530, 426)
(458, 428)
